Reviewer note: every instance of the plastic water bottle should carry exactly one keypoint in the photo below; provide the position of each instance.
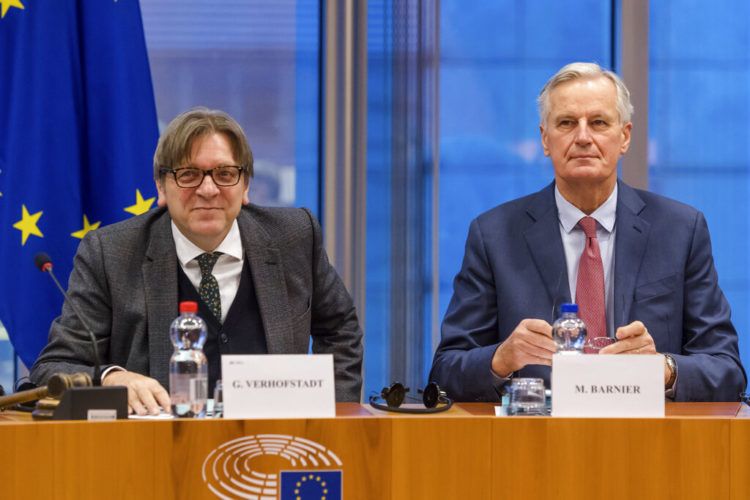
(569, 331)
(188, 368)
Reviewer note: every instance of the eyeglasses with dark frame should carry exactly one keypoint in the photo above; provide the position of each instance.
(192, 177)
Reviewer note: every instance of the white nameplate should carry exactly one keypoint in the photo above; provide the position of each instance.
(607, 385)
(101, 414)
(278, 386)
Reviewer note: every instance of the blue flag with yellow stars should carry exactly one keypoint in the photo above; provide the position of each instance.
(308, 485)
(77, 134)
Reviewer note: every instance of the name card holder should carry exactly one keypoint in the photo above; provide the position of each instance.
(607, 385)
(278, 386)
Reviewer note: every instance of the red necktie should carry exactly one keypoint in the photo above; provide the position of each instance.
(590, 284)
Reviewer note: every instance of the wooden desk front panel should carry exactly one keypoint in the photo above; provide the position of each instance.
(612, 458)
(382, 458)
(362, 444)
(441, 457)
(74, 460)
(740, 456)
(463, 454)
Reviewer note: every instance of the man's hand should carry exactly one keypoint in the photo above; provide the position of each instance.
(530, 344)
(145, 394)
(631, 339)
(635, 339)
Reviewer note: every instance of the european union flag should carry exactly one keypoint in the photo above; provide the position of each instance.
(309, 484)
(77, 133)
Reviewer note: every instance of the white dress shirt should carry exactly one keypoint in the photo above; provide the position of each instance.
(228, 267)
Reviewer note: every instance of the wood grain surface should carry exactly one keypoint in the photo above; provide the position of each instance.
(698, 451)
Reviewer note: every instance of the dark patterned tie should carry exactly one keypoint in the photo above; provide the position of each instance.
(209, 288)
(590, 284)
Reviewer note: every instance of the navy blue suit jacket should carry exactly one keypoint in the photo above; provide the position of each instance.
(514, 268)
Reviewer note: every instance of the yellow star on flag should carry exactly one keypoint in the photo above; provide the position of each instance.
(27, 224)
(86, 228)
(141, 206)
(7, 4)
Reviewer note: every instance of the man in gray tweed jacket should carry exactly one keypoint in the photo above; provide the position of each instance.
(276, 288)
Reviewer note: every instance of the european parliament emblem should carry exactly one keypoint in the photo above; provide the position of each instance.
(306, 484)
(257, 467)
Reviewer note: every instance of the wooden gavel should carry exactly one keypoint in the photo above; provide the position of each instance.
(55, 388)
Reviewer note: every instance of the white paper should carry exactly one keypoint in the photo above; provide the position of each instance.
(607, 385)
(160, 416)
(278, 386)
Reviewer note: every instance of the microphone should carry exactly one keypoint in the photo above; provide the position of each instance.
(44, 263)
(79, 400)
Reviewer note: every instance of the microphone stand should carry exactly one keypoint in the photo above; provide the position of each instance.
(85, 403)
(97, 380)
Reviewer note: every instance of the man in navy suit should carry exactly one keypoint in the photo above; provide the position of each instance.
(661, 291)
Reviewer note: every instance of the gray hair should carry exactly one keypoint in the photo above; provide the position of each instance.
(576, 70)
(175, 144)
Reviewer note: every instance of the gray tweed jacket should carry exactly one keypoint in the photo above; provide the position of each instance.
(125, 281)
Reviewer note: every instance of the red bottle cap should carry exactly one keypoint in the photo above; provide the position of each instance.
(188, 306)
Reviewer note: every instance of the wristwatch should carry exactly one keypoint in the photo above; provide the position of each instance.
(673, 371)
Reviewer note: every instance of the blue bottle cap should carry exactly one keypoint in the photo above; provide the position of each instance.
(569, 308)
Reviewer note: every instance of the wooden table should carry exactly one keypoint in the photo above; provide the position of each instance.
(700, 450)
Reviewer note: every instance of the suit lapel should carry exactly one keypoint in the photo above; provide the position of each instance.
(630, 246)
(159, 272)
(267, 270)
(546, 248)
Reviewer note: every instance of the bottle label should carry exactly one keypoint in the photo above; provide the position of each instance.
(198, 389)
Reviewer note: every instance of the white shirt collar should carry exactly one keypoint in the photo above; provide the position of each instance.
(231, 245)
(569, 214)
